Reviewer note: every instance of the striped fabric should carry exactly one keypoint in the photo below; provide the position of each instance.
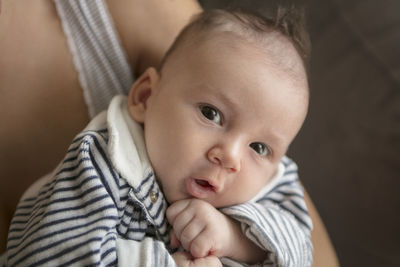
(100, 60)
(88, 213)
(279, 221)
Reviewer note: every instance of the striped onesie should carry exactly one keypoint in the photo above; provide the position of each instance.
(103, 206)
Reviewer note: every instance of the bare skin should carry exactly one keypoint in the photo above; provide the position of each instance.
(324, 253)
(43, 114)
(37, 106)
(184, 259)
(41, 100)
(220, 236)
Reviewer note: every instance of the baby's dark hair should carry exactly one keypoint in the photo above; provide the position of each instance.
(289, 22)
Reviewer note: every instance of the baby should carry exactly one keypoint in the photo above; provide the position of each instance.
(194, 158)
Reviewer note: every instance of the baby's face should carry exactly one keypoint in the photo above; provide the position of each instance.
(218, 122)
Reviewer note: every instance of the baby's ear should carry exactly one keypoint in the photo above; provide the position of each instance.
(141, 92)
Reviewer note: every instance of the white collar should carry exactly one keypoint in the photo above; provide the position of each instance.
(126, 143)
(128, 150)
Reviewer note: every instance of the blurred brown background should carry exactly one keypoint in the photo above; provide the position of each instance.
(348, 151)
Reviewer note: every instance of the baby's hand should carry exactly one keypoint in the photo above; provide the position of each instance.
(183, 259)
(200, 228)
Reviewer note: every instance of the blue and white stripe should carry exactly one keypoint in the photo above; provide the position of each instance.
(88, 214)
(278, 221)
(77, 217)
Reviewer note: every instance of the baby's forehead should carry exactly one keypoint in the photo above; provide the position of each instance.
(273, 47)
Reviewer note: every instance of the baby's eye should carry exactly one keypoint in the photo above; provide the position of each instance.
(260, 148)
(211, 114)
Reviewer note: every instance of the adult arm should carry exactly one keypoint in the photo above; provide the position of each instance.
(41, 102)
(324, 252)
(148, 28)
(41, 99)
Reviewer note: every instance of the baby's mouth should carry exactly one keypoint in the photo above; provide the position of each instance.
(200, 188)
(205, 184)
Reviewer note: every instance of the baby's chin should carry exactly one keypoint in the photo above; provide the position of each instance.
(218, 204)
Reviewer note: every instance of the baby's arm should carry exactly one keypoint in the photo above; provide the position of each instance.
(275, 229)
(71, 217)
(151, 252)
(203, 230)
(279, 222)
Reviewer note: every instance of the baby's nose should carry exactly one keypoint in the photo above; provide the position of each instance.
(228, 157)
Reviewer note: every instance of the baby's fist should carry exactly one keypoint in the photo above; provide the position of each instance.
(183, 259)
(201, 229)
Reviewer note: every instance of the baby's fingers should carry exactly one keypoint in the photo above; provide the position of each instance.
(174, 240)
(189, 234)
(209, 261)
(175, 209)
(181, 222)
(183, 259)
(202, 245)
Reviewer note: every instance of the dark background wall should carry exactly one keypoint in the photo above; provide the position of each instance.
(348, 151)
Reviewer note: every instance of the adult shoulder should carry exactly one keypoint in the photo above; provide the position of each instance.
(147, 28)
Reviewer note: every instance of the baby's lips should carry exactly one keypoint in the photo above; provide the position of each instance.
(199, 188)
(212, 183)
(205, 184)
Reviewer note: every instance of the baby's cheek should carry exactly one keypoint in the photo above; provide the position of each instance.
(253, 185)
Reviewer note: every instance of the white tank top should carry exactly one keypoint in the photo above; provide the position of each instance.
(100, 60)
